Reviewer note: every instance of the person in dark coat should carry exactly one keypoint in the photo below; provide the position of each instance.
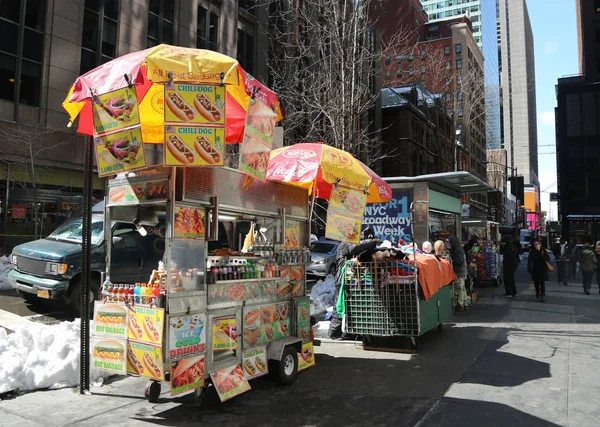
(459, 264)
(587, 265)
(343, 253)
(510, 262)
(571, 254)
(597, 252)
(537, 267)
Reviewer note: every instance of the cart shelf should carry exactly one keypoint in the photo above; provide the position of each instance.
(225, 282)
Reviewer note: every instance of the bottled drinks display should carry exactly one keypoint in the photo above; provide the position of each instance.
(140, 293)
(243, 269)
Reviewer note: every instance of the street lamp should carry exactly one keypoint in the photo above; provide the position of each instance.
(456, 145)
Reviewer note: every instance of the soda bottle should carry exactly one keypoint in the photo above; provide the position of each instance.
(229, 271)
(136, 293)
(149, 294)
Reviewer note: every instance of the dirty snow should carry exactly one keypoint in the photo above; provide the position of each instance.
(5, 267)
(42, 356)
(322, 294)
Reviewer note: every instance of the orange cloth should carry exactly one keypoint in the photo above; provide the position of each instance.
(434, 274)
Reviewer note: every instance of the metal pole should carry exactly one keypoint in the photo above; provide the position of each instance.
(86, 238)
(456, 155)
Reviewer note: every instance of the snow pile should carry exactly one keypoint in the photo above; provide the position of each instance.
(322, 294)
(41, 356)
(5, 267)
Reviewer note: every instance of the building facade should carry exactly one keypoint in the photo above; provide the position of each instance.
(588, 38)
(482, 14)
(517, 82)
(52, 42)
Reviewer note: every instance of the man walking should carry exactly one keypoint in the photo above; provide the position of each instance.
(559, 250)
(510, 262)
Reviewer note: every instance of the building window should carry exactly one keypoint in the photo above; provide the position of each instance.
(411, 58)
(99, 38)
(423, 69)
(458, 48)
(460, 112)
(423, 53)
(447, 50)
(411, 72)
(398, 59)
(388, 74)
(447, 65)
(160, 22)
(399, 74)
(447, 81)
(248, 5)
(22, 50)
(245, 48)
(469, 53)
(207, 34)
(459, 64)
(387, 60)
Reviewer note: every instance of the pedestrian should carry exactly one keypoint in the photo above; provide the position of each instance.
(510, 261)
(559, 250)
(597, 251)
(343, 253)
(459, 264)
(537, 266)
(572, 255)
(587, 265)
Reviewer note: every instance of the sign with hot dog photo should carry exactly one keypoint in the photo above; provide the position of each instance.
(115, 110)
(254, 363)
(119, 152)
(146, 325)
(306, 358)
(145, 360)
(194, 146)
(110, 320)
(187, 375)
(109, 355)
(189, 103)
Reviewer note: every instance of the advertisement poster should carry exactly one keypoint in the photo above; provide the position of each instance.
(146, 324)
(194, 146)
(109, 355)
(342, 228)
(252, 324)
(133, 194)
(18, 211)
(347, 201)
(145, 360)
(110, 320)
(292, 235)
(119, 152)
(115, 111)
(296, 272)
(306, 358)
(187, 336)
(224, 333)
(203, 104)
(230, 382)
(187, 375)
(189, 223)
(303, 319)
(254, 363)
(258, 139)
(391, 220)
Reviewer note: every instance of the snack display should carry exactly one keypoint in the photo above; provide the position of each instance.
(254, 362)
(189, 223)
(179, 107)
(207, 109)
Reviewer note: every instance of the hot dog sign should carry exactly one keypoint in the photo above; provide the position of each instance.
(189, 103)
(194, 146)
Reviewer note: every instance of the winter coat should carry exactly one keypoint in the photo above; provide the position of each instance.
(511, 257)
(536, 264)
(457, 254)
(346, 251)
(587, 259)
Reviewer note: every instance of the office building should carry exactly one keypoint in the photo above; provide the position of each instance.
(517, 80)
(588, 38)
(482, 14)
(47, 44)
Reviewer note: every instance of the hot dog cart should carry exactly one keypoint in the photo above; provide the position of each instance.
(225, 302)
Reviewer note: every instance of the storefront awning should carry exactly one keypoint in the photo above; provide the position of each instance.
(460, 182)
(583, 218)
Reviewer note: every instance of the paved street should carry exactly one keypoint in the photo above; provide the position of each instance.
(508, 362)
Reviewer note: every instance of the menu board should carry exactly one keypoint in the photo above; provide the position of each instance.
(258, 139)
(342, 228)
(254, 363)
(292, 235)
(133, 194)
(110, 320)
(187, 336)
(187, 375)
(203, 104)
(194, 146)
(115, 110)
(145, 360)
(224, 330)
(303, 319)
(109, 355)
(306, 358)
(146, 324)
(120, 152)
(230, 382)
(265, 323)
(189, 223)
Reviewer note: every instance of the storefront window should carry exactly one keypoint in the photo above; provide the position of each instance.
(441, 225)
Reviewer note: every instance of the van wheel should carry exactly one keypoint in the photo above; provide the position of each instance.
(75, 296)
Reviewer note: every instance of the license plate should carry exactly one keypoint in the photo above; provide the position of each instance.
(42, 293)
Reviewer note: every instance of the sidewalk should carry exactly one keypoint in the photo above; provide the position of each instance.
(511, 362)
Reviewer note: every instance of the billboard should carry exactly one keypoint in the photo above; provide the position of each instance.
(391, 220)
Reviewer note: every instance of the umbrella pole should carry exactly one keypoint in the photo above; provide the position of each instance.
(310, 214)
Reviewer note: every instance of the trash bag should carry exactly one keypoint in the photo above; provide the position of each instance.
(322, 294)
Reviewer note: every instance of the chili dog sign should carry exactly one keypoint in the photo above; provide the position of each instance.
(146, 325)
(194, 146)
(187, 336)
(202, 104)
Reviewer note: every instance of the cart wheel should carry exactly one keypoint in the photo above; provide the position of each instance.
(287, 368)
(152, 391)
(413, 343)
(440, 327)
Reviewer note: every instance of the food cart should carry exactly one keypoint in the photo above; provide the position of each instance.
(484, 257)
(210, 314)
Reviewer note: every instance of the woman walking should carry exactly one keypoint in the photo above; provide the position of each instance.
(538, 268)
(587, 265)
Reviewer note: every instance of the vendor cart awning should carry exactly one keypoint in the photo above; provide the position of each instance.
(460, 182)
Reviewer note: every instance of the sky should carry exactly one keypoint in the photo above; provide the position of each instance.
(554, 29)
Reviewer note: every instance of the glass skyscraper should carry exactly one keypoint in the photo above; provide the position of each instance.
(483, 16)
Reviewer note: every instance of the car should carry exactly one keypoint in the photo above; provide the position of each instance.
(322, 254)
